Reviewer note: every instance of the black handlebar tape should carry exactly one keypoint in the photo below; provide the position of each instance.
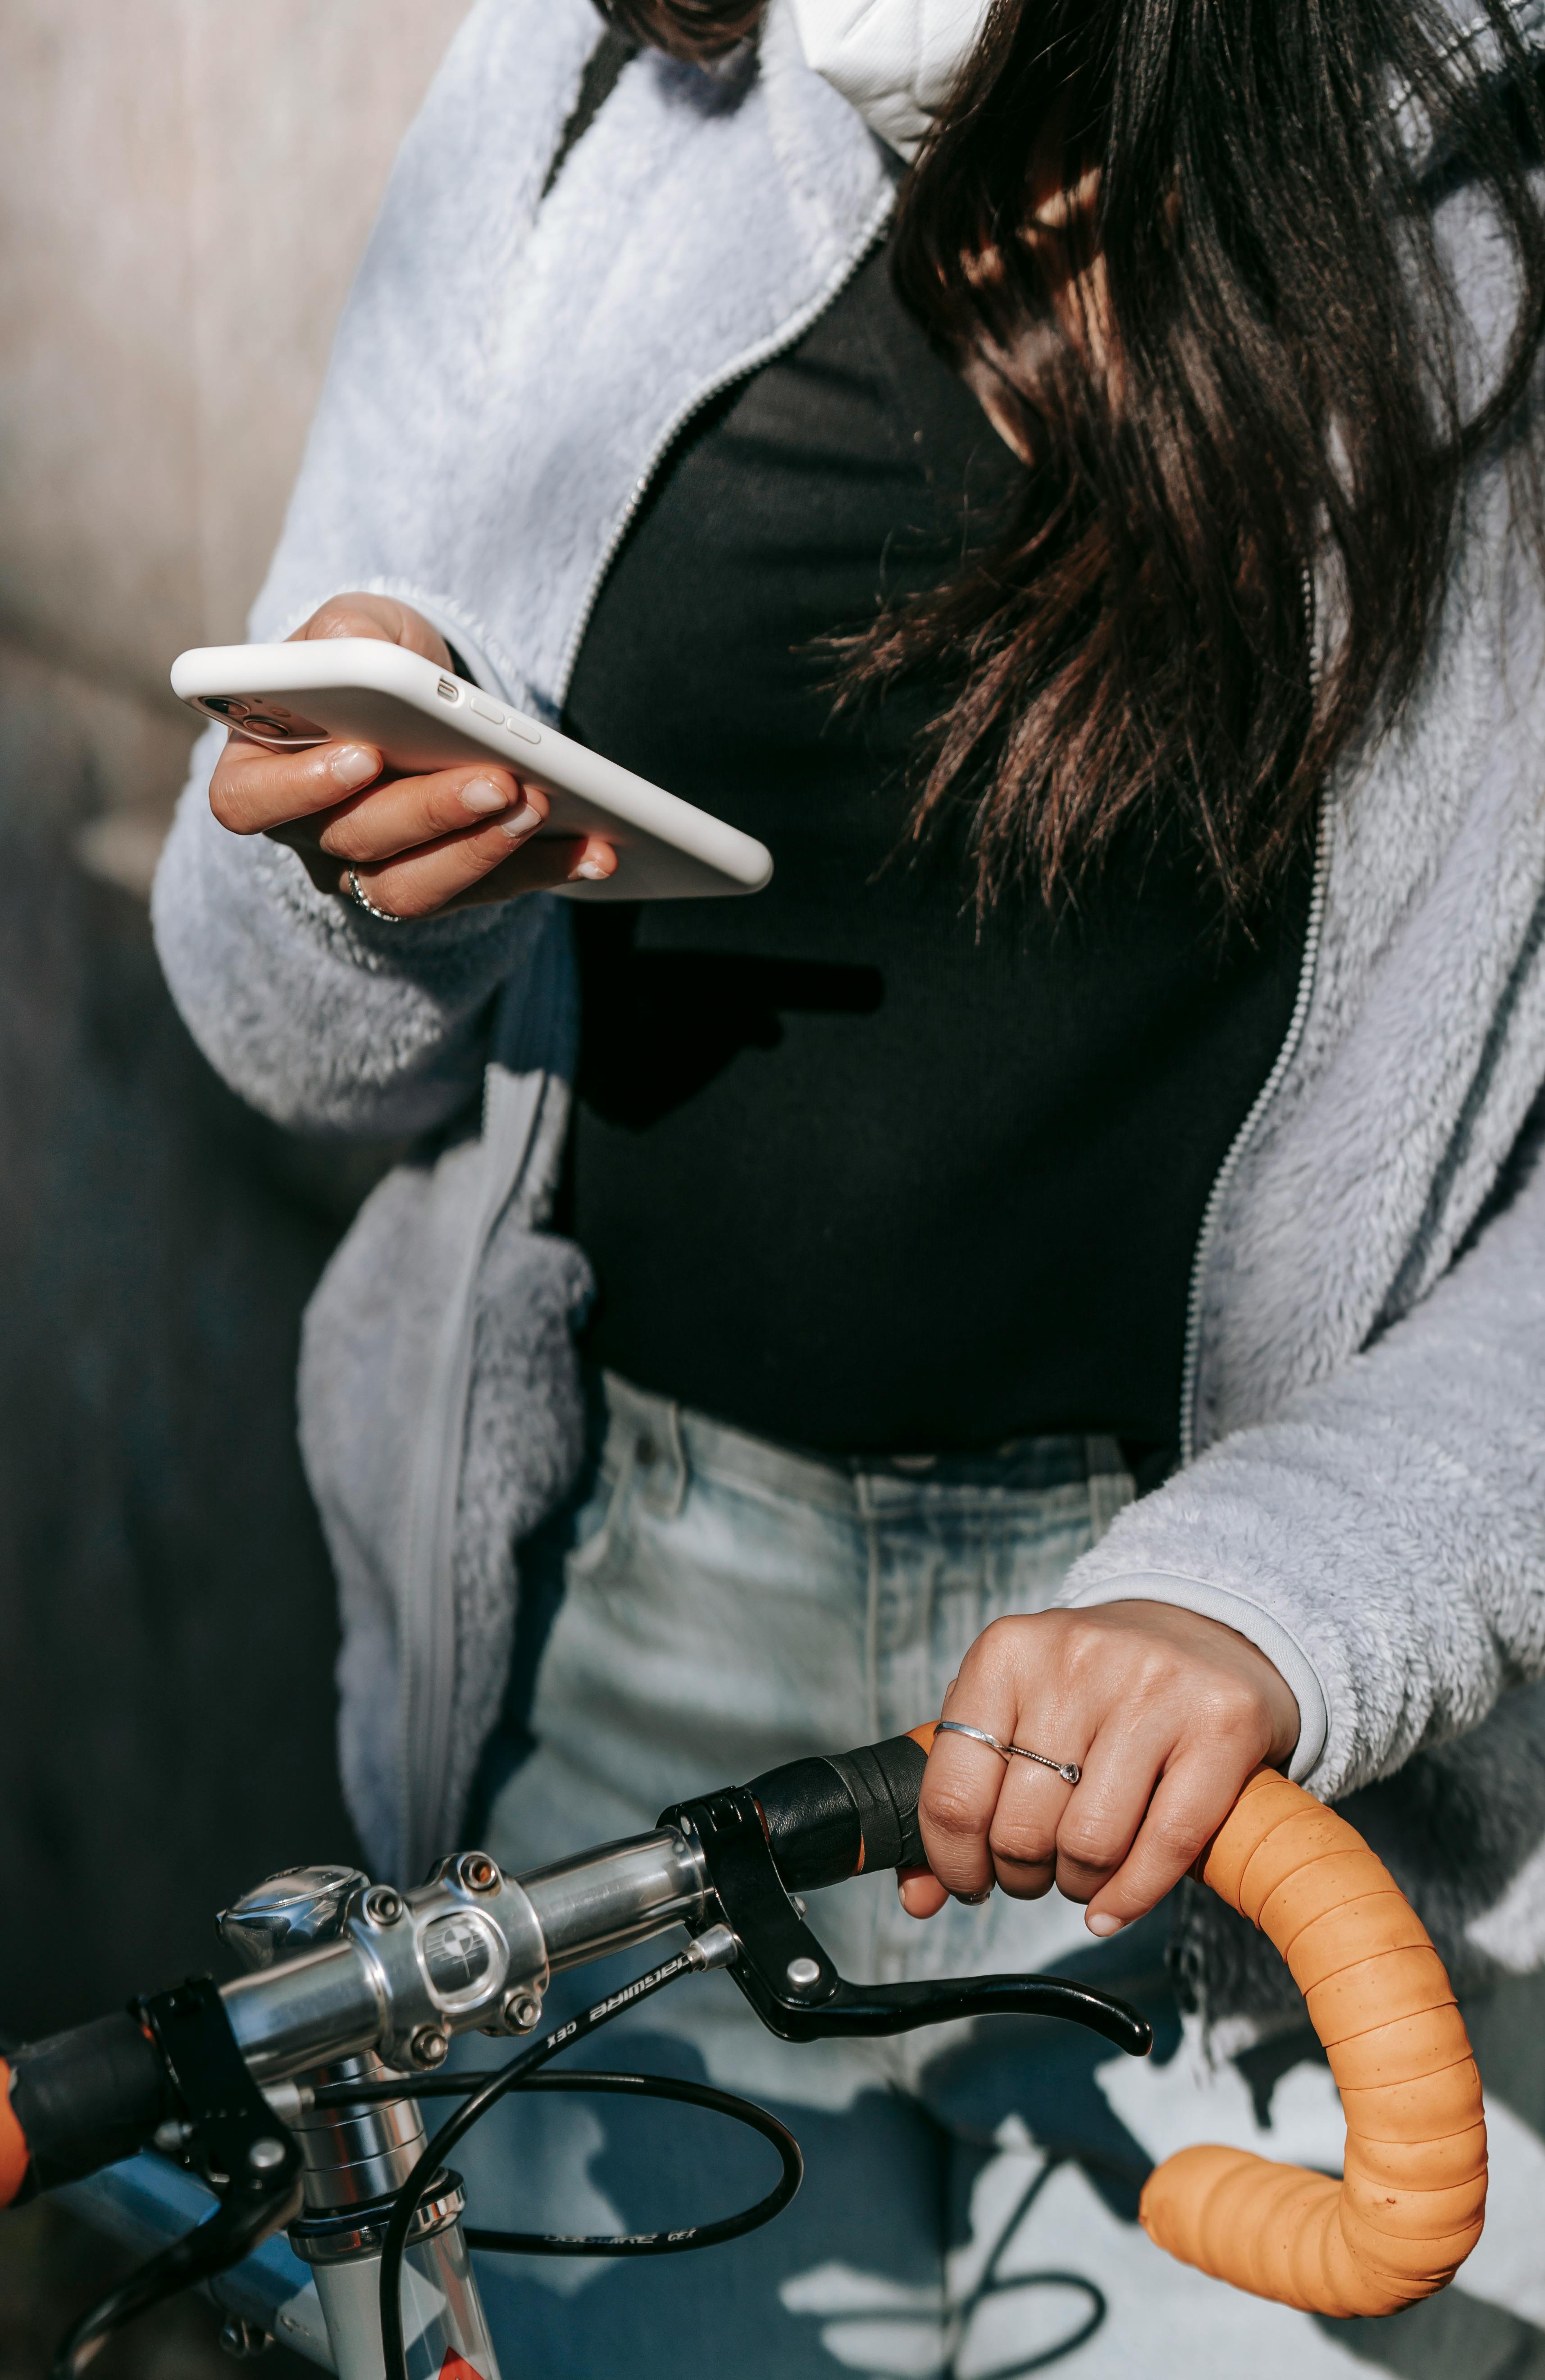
(828, 1819)
(81, 2100)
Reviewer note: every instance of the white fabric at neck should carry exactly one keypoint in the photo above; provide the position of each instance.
(896, 61)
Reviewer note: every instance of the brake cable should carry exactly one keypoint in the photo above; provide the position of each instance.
(522, 2072)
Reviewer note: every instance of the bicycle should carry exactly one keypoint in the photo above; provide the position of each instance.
(292, 2093)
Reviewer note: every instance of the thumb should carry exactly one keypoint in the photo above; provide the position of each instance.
(921, 1893)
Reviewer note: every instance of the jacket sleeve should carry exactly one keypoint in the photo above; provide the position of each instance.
(1383, 1539)
(325, 1020)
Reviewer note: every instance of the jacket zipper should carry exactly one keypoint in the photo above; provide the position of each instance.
(429, 1621)
(1224, 1179)
(429, 1670)
(766, 352)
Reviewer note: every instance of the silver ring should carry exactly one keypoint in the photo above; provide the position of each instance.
(1069, 1770)
(383, 917)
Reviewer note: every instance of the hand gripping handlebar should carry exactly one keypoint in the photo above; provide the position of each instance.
(1411, 2204)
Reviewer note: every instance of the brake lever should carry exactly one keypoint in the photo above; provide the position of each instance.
(790, 1978)
(230, 2134)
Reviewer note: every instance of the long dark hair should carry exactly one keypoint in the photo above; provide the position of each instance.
(1238, 366)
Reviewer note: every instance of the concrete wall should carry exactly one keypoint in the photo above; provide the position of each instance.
(185, 188)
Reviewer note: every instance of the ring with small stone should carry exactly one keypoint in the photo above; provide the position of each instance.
(1069, 1770)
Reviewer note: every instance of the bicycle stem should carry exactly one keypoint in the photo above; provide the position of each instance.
(471, 1949)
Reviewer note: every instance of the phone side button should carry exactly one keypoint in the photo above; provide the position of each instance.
(525, 728)
(487, 709)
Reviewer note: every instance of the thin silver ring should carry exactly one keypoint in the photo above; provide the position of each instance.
(383, 917)
(1069, 1770)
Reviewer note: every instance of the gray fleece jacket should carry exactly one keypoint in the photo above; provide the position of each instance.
(1364, 1488)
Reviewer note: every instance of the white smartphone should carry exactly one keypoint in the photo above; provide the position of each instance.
(421, 718)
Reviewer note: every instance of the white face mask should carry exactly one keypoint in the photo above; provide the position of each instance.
(896, 61)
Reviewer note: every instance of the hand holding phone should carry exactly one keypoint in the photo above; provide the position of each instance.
(418, 843)
(400, 782)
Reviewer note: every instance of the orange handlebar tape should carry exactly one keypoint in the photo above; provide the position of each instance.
(14, 2155)
(1413, 2199)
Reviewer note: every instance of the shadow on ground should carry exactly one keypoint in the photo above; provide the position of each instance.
(52, 2270)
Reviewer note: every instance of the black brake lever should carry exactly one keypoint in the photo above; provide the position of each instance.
(793, 1985)
(234, 2140)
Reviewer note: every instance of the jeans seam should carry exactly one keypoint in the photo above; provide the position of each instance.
(667, 1501)
(583, 1560)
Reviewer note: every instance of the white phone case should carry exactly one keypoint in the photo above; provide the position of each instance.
(421, 718)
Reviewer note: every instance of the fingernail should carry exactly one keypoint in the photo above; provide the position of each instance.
(521, 823)
(353, 766)
(592, 871)
(974, 1900)
(1103, 1924)
(482, 796)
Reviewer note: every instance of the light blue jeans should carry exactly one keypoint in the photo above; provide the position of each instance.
(710, 1606)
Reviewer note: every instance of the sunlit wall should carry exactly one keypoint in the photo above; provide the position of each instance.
(185, 188)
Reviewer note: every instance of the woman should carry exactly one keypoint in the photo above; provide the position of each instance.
(1064, 483)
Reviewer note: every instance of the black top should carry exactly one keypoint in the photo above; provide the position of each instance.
(854, 1174)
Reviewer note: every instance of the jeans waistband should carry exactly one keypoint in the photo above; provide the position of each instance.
(673, 1442)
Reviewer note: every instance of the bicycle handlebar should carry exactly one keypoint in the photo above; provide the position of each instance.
(833, 1817)
(1411, 2204)
(475, 1947)
(1413, 2199)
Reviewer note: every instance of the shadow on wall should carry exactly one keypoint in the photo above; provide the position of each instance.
(166, 1608)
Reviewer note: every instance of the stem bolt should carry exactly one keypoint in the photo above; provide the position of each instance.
(803, 1974)
(520, 2011)
(382, 1905)
(429, 2046)
(479, 1873)
(265, 2155)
